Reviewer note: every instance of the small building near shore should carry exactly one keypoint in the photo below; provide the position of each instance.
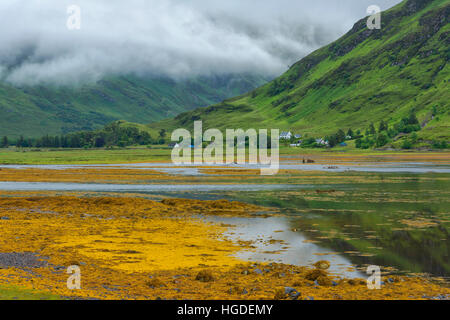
(286, 135)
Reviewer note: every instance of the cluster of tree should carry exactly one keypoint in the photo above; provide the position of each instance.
(379, 140)
(374, 138)
(407, 125)
(111, 135)
(309, 143)
(440, 144)
(409, 141)
(4, 142)
(340, 137)
(333, 140)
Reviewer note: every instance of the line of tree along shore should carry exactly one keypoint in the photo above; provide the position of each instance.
(111, 135)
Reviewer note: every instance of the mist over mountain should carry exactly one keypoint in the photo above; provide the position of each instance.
(363, 78)
(175, 38)
(144, 61)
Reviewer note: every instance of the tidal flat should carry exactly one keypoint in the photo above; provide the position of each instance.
(130, 248)
(212, 237)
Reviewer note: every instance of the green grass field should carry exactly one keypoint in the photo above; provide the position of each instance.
(24, 156)
(15, 293)
(84, 156)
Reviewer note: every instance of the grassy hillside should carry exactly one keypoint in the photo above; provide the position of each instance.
(35, 111)
(366, 76)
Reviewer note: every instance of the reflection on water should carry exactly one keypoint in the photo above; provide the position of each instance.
(274, 241)
(402, 223)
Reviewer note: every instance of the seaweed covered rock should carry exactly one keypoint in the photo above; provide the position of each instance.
(319, 275)
(155, 283)
(313, 275)
(322, 265)
(324, 281)
(205, 276)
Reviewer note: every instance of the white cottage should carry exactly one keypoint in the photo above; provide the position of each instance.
(286, 135)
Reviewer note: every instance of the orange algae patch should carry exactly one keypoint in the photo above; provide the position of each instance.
(246, 172)
(222, 207)
(129, 248)
(82, 175)
(123, 207)
(231, 171)
(110, 237)
(384, 157)
(151, 244)
(123, 233)
(419, 223)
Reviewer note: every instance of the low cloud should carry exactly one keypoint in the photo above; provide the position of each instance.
(174, 38)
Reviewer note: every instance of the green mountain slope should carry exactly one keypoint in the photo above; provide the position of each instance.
(365, 76)
(35, 111)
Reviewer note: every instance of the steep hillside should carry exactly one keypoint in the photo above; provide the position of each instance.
(35, 111)
(364, 77)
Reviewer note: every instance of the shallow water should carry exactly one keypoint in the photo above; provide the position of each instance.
(275, 241)
(192, 170)
(395, 215)
(402, 223)
(99, 187)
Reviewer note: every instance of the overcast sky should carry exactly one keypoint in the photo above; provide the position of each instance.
(176, 38)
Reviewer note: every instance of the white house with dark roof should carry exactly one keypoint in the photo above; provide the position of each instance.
(286, 135)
